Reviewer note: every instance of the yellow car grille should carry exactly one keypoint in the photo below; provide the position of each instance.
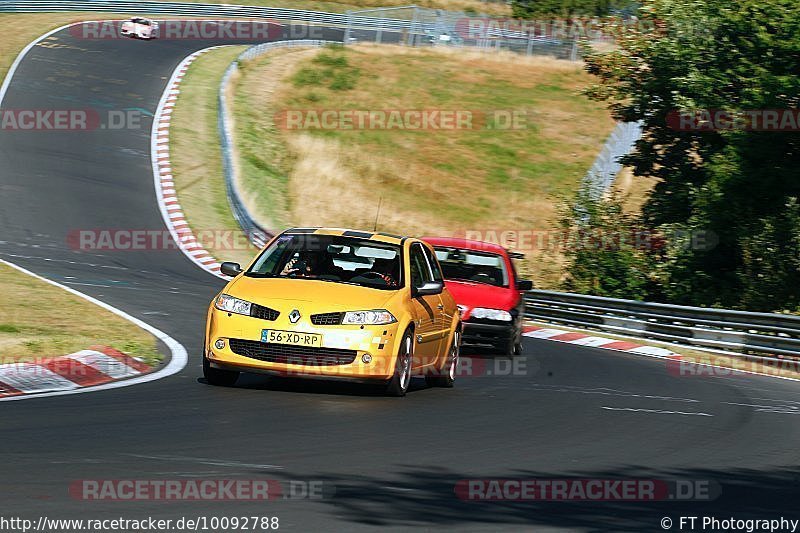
(264, 313)
(327, 319)
(292, 355)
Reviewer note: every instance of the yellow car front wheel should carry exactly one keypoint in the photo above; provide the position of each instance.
(446, 376)
(216, 376)
(398, 385)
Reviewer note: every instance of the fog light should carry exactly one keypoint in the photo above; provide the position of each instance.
(219, 344)
(366, 358)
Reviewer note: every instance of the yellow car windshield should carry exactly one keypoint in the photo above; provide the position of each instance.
(332, 258)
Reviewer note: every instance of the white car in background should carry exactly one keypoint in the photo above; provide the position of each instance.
(140, 28)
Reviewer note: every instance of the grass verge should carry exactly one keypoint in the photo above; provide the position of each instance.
(53, 322)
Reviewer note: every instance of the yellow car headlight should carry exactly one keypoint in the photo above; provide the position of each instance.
(372, 317)
(228, 303)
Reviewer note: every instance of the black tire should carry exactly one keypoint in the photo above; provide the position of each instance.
(513, 346)
(504, 347)
(446, 377)
(398, 385)
(215, 376)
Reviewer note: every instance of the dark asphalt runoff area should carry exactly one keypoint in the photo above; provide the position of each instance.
(388, 463)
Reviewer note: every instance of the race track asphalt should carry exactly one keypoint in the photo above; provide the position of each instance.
(385, 462)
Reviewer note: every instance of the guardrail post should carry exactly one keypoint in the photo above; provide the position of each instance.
(349, 16)
(414, 23)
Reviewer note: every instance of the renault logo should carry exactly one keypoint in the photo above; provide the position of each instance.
(294, 316)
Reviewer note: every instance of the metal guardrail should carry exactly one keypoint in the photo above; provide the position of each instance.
(757, 335)
(257, 233)
(606, 166)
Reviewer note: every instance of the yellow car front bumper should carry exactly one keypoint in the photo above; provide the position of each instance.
(234, 342)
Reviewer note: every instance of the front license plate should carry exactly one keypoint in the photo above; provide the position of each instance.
(291, 337)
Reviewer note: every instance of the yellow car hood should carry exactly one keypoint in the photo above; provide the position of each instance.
(313, 295)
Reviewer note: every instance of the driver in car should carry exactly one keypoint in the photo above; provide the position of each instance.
(305, 265)
(384, 269)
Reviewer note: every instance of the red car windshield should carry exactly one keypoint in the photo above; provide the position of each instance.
(470, 265)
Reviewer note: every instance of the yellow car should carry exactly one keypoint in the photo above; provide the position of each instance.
(333, 303)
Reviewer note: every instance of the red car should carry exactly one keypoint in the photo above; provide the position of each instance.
(482, 279)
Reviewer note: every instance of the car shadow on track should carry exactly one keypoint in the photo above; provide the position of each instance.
(413, 497)
(480, 352)
(316, 386)
(475, 362)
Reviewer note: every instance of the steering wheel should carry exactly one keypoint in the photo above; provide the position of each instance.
(386, 278)
(483, 277)
(296, 273)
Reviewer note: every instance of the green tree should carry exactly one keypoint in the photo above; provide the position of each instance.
(564, 8)
(606, 249)
(739, 184)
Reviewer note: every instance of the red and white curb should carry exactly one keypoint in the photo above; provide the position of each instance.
(171, 210)
(95, 366)
(584, 339)
(676, 364)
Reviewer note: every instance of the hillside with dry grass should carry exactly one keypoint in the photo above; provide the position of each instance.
(443, 182)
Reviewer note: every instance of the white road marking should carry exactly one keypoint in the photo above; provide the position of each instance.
(205, 461)
(779, 409)
(612, 392)
(40, 258)
(654, 411)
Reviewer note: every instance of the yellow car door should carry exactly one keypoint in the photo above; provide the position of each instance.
(446, 306)
(426, 309)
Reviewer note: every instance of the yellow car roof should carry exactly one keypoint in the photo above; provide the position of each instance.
(369, 235)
